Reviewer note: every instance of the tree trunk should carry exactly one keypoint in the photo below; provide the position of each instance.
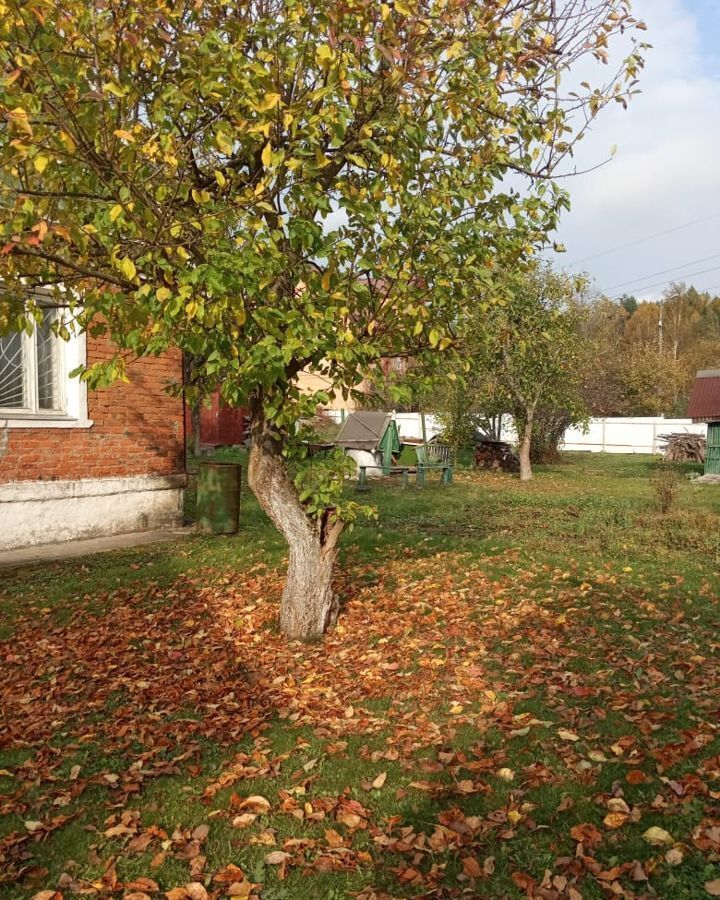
(524, 451)
(308, 606)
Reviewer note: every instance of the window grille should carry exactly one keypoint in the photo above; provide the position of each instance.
(30, 370)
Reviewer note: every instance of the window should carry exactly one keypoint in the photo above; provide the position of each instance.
(31, 371)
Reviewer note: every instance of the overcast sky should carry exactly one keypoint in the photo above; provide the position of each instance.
(666, 172)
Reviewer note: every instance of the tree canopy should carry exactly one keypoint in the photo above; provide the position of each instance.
(283, 184)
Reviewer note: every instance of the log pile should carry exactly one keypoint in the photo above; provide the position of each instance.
(496, 455)
(684, 447)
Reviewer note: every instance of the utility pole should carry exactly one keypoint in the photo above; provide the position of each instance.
(660, 330)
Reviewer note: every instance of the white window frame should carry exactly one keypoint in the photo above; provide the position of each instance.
(72, 391)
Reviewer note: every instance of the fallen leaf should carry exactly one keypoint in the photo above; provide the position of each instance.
(674, 857)
(256, 804)
(615, 820)
(276, 858)
(243, 820)
(471, 867)
(617, 804)
(379, 781)
(566, 735)
(713, 887)
(658, 837)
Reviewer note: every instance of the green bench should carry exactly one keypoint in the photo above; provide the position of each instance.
(419, 471)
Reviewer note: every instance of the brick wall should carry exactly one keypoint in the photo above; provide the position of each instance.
(137, 430)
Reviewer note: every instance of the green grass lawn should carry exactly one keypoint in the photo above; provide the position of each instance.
(524, 680)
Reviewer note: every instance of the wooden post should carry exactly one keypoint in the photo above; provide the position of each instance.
(405, 478)
(420, 477)
(362, 479)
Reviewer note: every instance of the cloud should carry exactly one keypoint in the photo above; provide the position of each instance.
(667, 169)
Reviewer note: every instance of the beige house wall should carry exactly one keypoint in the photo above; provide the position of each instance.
(310, 382)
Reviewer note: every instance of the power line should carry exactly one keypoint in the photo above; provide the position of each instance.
(648, 287)
(631, 281)
(642, 240)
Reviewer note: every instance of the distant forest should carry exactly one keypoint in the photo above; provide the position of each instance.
(641, 367)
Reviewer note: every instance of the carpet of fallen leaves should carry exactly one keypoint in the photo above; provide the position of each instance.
(427, 650)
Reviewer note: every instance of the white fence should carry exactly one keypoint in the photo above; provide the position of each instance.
(631, 435)
(628, 435)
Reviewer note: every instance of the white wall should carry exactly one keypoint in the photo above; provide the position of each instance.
(630, 435)
(621, 435)
(42, 512)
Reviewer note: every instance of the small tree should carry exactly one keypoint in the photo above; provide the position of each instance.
(535, 353)
(277, 185)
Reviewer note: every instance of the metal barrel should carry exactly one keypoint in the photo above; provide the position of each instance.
(218, 497)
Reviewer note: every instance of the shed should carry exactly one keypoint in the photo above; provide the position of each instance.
(371, 439)
(704, 406)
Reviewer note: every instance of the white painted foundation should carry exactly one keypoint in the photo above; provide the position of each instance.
(43, 512)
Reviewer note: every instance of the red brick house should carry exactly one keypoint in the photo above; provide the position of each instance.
(76, 463)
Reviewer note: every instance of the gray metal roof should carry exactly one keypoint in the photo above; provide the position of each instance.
(363, 430)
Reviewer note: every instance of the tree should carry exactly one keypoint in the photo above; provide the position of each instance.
(603, 327)
(536, 354)
(278, 185)
(629, 304)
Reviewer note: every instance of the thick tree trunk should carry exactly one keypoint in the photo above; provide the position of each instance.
(524, 451)
(308, 607)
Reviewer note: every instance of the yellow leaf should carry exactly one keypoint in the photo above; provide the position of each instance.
(68, 141)
(19, 119)
(224, 143)
(384, 11)
(323, 53)
(434, 337)
(182, 253)
(190, 309)
(658, 837)
(220, 178)
(320, 159)
(270, 102)
(402, 8)
(127, 267)
(325, 281)
(163, 294)
(266, 155)
(124, 135)
(115, 212)
(114, 89)
(40, 163)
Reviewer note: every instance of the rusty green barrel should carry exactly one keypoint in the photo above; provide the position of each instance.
(218, 497)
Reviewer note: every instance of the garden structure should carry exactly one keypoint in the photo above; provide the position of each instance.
(704, 406)
(372, 439)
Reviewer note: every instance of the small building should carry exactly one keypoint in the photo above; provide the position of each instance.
(220, 424)
(704, 406)
(371, 439)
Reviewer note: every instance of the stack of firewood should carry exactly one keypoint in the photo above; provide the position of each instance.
(684, 447)
(496, 455)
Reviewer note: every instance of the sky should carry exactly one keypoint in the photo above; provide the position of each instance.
(665, 173)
